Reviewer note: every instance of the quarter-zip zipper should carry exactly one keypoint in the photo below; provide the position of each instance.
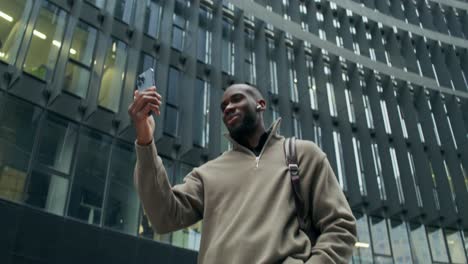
(248, 151)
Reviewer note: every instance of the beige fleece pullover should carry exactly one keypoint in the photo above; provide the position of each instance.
(247, 205)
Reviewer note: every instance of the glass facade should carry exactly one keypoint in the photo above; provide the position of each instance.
(46, 41)
(73, 155)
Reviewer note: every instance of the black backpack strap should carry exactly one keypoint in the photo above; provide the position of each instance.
(293, 167)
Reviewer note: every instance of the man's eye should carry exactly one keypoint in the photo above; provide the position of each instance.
(236, 98)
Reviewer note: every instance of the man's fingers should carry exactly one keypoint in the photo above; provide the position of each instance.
(147, 109)
(141, 102)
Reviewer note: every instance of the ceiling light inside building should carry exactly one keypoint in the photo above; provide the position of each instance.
(39, 34)
(6, 17)
(361, 245)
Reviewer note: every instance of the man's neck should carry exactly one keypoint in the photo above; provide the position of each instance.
(251, 141)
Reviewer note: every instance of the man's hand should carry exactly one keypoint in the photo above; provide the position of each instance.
(143, 103)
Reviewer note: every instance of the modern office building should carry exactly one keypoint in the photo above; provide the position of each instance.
(380, 85)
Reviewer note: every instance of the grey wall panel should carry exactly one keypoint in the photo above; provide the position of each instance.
(305, 110)
(399, 144)
(384, 17)
(447, 207)
(373, 198)
(296, 31)
(283, 85)
(323, 110)
(346, 135)
(454, 111)
(457, 179)
(381, 138)
(422, 171)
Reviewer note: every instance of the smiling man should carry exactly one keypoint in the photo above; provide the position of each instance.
(245, 197)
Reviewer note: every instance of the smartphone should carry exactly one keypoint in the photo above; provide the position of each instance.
(145, 80)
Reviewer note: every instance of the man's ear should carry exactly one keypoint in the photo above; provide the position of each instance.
(261, 105)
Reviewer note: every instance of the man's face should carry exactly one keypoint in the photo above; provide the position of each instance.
(239, 111)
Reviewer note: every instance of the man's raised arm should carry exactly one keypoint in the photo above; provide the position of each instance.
(168, 208)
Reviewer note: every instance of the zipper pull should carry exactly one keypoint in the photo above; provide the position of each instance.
(257, 159)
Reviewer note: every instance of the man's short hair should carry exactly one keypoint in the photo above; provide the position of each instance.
(252, 90)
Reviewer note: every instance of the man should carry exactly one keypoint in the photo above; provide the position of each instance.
(245, 196)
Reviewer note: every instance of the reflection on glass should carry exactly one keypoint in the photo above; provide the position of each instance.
(379, 234)
(455, 246)
(152, 18)
(82, 44)
(46, 41)
(18, 124)
(419, 244)
(172, 111)
(13, 20)
(171, 120)
(47, 191)
(123, 10)
(465, 236)
(76, 79)
(225, 144)
(227, 47)
(173, 86)
(400, 242)
(98, 3)
(178, 32)
(363, 252)
(201, 113)
(77, 72)
(204, 38)
(90, 174)
(122, 207)
(188, 237)
(57, 144)
(113, 75)
(436, 241)
(146, 62)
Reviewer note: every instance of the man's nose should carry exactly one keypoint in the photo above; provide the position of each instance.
(229, 108)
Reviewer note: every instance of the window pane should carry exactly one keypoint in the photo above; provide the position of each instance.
(400, 242)
(419, 244)
(47, 191)
(380, 236)
(146, 62)
(83, 42)
(173, 86)
(201, 44)
(57, 144)
(177, 38)
(45, 42)
(363, 252)
(225, 143)
(98, 3)
(113, 75)
(90, 174)
(18, 124)
(76, 80)
(152, 18)
(12, 26)
(122, 203)
(123, 10)
(436, 241)
(455, 245)
(201, 113)
(171, 120)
